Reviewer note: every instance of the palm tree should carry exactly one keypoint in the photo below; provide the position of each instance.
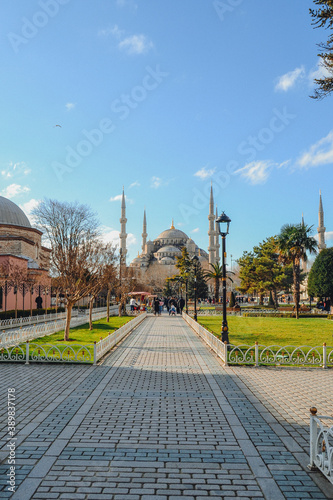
(293, 242)
(216, 273)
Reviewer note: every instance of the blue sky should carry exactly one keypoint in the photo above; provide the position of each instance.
(163, 98)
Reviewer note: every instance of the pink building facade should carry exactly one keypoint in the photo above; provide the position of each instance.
(24, 262)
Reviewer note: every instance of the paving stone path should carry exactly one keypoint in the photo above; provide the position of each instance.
(161, 418)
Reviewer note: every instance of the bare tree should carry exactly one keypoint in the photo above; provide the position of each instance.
(16, 277)
(126, 283)
(105, 279)
(56, 286)
(72, 233)
(322, 17)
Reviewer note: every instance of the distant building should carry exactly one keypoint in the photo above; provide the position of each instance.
(22, 254)
(168, 245)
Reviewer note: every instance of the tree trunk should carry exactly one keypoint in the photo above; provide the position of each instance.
(90, 312)
(275, 298)
(16, 304)
(217, 286)
(56, 306)
(296, 276)
(261, 299)
(68, 320)
(30, 303)
(108, 306)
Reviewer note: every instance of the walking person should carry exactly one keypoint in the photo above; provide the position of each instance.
(156, 306)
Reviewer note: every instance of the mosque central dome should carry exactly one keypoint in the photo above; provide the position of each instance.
(172, 234)
(11, 214)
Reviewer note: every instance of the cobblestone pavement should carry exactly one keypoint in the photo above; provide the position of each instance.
(162, 419)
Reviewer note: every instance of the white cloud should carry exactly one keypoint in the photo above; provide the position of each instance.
(135, 184)
(116, 198)
(320, 153)
(15, 169)
(156, 182)
(14, 190)
(110, 235)
(204, 172)
(136, 44)
(287, 81)
(256, 172)
(70, 105)
(127, 3)
(114, 31)
(7, 174)
(329, 235)
(119, 197)
(318, 73)
(284, 164)
(28, 207)
(196, 230)
(131, 44)
(180, 224)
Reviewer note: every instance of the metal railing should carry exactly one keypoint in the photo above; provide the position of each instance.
(214, 343)
(12, 338)
(8, 323)
(258, 354)
(75, 353)
(112, 339)
(214, 312)
(321, 444)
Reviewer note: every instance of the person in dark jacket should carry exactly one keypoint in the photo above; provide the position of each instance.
(156, 306)
(181, 304)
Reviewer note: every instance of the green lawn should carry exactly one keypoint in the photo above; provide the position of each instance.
(80, 335)
(273, 331)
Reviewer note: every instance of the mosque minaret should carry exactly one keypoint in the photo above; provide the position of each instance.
(144, 232)
(321, 228)
(123, 235)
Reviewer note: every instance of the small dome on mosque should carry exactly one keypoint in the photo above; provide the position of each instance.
(169, 249)
(11, 214)
(167, 261)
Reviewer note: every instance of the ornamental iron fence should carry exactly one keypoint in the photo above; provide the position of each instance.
(321, 444)
(75, 353)
(12, 338)
(258, 354)
(256, 312)
(9, 323)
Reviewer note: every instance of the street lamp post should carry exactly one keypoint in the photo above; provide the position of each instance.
(186, 300)
(223, 224)
(195, 261)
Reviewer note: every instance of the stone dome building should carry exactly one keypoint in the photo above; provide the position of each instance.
(165, 248)
(168, 245)
(21, 254)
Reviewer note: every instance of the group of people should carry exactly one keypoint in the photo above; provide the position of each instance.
(173, 305)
